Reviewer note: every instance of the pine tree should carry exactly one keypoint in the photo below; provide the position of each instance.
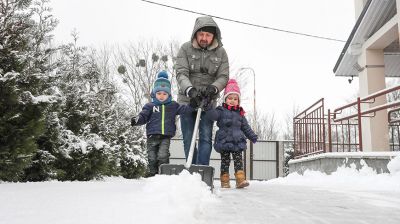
(24, 81)
(93, 123)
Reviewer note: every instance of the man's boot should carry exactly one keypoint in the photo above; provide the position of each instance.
(225, 180)
(241, 181)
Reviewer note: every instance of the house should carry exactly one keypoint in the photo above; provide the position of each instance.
(366, 129)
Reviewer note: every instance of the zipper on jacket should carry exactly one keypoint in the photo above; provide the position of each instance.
(162, 119)
(202, 68)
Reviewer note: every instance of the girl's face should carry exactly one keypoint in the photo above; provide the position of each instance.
(232, 99)
(161, 96)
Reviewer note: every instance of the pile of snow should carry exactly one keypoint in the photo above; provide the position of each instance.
(394, 165)
(182, 200)
(160, 199)
(348, 178)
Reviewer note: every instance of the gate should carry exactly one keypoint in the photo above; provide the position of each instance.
(263, 160)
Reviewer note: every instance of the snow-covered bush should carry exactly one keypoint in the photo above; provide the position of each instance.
(24, 77)
(62, 116)
(133, 163)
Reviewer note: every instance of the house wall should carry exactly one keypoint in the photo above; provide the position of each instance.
(372, 78)
(375, 136)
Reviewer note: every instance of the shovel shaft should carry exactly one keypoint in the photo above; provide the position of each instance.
(193, 142)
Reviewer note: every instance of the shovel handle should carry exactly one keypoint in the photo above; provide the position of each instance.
(193, 142)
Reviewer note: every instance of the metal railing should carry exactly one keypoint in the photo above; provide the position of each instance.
(394, 128)
(316, 132)
(309, 130)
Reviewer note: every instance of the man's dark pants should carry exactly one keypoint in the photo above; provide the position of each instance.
(202, 155)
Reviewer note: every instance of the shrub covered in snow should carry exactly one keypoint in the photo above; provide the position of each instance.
(61, 118)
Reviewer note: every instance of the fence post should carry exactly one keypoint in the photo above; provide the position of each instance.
(329, 131)
(323, 126)
(294, 137)
(359, 123)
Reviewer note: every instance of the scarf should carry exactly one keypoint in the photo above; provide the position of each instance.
(234, 108)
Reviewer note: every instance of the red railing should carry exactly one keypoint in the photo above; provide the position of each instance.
(343, 135)
(309, 130)
(394, 128)
(315, 132)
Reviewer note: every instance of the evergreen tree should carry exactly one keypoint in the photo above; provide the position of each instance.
(25, 80)
(94, 125)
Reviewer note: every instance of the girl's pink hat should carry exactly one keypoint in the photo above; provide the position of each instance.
(231, 87)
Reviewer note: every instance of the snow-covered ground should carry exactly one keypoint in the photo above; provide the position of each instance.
(346, 196)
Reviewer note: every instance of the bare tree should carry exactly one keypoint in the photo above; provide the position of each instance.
(139, 63)
(265, 126)
(288, 123)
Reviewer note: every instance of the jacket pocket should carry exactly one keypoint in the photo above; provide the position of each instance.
(215, 62)
(194, 63)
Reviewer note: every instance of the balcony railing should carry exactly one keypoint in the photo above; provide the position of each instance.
(341, 130)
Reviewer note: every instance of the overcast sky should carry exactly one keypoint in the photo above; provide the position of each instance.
(290, 69)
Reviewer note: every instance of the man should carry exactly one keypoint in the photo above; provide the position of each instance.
(202, 71)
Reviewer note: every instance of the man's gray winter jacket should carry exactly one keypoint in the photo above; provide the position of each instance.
(197, 67)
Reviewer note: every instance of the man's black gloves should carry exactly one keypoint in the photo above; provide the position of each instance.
(205, 95)
(195, 102)
(210, 91)
(192, 93)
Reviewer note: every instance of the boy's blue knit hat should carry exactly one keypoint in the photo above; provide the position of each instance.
(162, 83)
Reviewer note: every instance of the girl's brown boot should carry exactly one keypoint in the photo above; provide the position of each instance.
(241, 181)
(225, 180)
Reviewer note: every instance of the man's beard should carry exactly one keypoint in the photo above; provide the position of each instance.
(204, 44)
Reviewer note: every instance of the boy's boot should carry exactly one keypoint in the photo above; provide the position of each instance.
(241, 181)
(225, 180)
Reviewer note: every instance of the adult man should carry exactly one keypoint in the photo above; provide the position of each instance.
(202, 70)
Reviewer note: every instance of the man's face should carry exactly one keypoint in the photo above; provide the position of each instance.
(161, 96)
(204, 39)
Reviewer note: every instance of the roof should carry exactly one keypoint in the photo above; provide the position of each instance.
(375, 14)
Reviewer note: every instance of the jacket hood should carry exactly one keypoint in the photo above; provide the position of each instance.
(206, 21)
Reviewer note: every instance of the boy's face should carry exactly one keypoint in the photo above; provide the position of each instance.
(232, 99)
(161, 96)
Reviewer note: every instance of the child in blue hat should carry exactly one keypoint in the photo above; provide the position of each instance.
(159, 117)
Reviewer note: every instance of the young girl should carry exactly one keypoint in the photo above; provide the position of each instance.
(232, 134)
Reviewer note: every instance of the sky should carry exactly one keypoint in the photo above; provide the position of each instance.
(346, 196)
(290, 70)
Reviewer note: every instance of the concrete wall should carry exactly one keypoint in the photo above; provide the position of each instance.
(329, 162)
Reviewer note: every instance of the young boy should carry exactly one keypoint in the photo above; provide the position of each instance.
(232, 134)
(159, 117)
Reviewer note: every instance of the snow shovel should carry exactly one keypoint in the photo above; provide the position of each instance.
(206, 172)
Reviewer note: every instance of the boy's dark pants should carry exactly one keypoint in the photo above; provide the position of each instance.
(157, 152)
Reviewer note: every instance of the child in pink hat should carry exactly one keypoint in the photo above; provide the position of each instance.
(232, 134)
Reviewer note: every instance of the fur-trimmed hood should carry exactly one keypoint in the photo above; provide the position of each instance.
(203, 22)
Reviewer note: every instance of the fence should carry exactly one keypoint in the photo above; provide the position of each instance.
(263, 161)
(309, 130)
(341, 130)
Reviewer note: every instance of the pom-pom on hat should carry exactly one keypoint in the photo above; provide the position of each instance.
(162, 83)
(231, 87)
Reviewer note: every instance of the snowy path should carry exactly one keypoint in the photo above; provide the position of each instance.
(275, 203)
(185, 199)
(346, 196)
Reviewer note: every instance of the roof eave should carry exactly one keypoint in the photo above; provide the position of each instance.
(353, 32)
